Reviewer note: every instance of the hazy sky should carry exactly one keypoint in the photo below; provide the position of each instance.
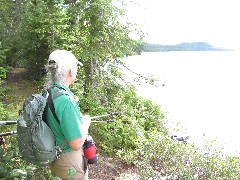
(176, 21)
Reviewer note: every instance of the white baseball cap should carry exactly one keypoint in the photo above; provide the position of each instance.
(63, 58)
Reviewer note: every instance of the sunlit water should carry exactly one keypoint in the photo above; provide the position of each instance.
(201, 90)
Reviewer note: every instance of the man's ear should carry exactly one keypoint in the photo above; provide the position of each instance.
(70, 72)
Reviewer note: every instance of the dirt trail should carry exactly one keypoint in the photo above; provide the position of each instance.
(18, 88)
(16, 74)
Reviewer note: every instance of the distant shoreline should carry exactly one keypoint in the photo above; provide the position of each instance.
(193, 46)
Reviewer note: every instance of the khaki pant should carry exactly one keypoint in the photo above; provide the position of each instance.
(70, 160)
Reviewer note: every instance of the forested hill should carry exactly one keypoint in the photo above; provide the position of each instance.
(194, 46)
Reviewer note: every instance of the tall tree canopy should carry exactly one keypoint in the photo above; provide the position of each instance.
(30, 30)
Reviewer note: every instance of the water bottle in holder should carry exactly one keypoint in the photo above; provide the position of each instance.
(90, 150)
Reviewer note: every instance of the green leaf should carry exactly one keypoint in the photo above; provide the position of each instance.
(72, 172)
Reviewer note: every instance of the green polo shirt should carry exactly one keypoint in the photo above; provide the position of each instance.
(70, 117)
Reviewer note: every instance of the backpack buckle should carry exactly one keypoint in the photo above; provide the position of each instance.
(58, 151)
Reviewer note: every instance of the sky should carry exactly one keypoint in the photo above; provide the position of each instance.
(175, 21)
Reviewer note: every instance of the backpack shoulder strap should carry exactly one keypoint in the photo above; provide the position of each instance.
(52, 96)
(51, 105)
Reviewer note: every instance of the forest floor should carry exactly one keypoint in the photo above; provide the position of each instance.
(105, 168)
(112, 170)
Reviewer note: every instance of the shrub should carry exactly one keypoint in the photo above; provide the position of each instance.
(164, 157)
(137, 117)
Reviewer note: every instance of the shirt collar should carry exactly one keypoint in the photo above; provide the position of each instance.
(63, 86)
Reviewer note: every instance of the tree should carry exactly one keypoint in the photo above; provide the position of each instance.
(10, 19)
(37, 35)
(90, 28)
(96, 35)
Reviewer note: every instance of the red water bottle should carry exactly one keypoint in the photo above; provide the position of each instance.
(90, 150)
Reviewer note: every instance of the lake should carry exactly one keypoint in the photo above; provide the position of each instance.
(199, 89)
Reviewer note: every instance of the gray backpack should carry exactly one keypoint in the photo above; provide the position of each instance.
(36, 141)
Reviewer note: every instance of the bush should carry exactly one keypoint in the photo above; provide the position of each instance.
(164, 157)
(137, 117)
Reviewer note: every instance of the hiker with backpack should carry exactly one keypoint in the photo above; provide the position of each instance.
(69, 126)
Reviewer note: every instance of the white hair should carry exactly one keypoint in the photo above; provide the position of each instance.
(59, 63)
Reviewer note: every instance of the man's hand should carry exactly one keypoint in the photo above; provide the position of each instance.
(86, 124)
(87, 120)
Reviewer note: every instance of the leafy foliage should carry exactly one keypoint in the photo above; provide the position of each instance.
(137, 117)
(164, 157)
(3, 69)
(91, 29)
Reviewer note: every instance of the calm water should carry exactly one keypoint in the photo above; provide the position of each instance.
(201, 91)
